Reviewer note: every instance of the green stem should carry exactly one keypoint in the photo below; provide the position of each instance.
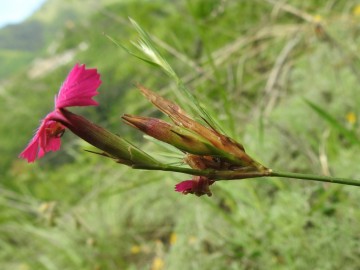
(237, 175)
(163, 167)
(329, 179)
(212, 174)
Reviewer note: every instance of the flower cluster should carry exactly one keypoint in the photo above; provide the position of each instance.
(205, 148)
(210, 154)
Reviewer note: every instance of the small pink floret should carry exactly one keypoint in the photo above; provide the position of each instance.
(184, 186)
(198, 185)
(78, 89)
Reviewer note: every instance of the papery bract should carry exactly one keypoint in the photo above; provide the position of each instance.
(228, 148)
(77, 90)
(182, 138)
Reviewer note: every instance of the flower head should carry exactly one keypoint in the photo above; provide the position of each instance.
(356, 10)
(198, 185)
(351, 118)
(78, 89)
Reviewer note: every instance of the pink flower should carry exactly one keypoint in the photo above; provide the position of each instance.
(185, 186)
(198, 185)
(78, 89)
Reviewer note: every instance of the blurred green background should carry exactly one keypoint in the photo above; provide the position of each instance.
(252, 64)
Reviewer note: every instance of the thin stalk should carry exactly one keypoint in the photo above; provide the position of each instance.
(321, 178)
(238, 174)
(212, 174)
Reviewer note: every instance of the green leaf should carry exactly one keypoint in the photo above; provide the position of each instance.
(348, 134)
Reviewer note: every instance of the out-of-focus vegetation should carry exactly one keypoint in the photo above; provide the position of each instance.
(252, 64)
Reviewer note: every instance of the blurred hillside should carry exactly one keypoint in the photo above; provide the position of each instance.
(252, 64)
(21, 43)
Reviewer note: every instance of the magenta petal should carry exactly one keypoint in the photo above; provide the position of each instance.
(79, 88)
(46, 139)
(31, 150)
(184, 186)
(53, 144)
(198, 185)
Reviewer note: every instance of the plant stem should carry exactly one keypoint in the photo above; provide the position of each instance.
(321, 178)
(211, 173)
(237, 175)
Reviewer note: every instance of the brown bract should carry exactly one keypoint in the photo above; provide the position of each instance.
(230, 151)
(180, 137)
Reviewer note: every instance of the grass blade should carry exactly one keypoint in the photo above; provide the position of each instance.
(348, 134)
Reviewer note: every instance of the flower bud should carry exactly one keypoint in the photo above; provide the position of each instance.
(182, 138)
(113, 145)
